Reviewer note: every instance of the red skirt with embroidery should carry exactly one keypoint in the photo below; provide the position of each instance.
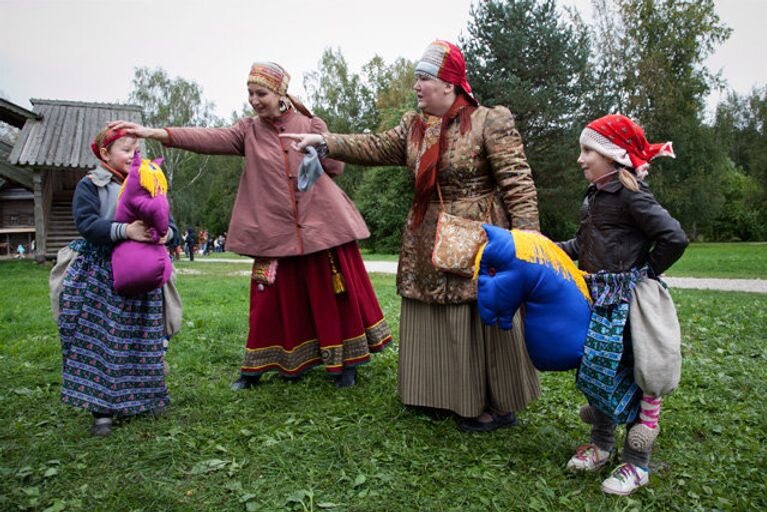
(299, 321)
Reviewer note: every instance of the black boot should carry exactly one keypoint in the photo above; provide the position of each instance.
(102, 425)
(245, 382)
(348, 378)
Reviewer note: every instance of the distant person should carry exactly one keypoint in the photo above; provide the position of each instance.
(311, 300)
(202, 240)
(626, 240)
(20, 251)
(190, 243)
(112, 346)
(173, 247)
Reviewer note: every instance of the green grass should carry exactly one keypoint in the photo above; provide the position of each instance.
(725, 260)
(307, 446)
(222, 255)
(376, 256)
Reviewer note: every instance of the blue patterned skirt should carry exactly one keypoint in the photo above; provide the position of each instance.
(112, 346)
(606, 373)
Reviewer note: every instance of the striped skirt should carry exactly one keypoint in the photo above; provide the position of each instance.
(299, 321)
(449, 359)
(112, 346)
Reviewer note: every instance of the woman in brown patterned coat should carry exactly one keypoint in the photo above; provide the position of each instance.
(448, 358)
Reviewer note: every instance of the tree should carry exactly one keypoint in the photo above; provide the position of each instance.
(345, 102)
(526, 55)
(179, 102)
(386, 193)
(372, 101)
(172, 102)
(741, 127)
(394, 92)
(652, 56)
(342, 98)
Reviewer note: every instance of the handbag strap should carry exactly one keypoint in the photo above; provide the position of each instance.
(442, 204)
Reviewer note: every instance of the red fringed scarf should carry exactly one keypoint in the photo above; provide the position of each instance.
(428, 166)
(119, 177)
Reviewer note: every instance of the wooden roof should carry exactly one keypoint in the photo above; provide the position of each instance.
(15, 115)
(61, 137)
(21, 176)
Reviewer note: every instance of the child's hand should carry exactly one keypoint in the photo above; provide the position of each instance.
(164, 239)
(137, 231)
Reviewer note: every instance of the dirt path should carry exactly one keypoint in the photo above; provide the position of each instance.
(730, 285)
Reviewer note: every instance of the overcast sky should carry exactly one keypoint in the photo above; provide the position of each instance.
(86, 50)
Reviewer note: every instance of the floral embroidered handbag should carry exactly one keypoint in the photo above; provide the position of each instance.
(457, 242)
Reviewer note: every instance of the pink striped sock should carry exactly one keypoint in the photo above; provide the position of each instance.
(649, 411)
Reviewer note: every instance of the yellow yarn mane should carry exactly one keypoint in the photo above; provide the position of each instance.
(151, 178)
(536, 248)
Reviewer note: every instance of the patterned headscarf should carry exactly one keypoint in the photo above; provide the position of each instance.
(619, 138)
(271, 76)
(445, 61)
(104, 138)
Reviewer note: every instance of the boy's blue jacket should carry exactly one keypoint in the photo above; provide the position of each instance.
(542, 278)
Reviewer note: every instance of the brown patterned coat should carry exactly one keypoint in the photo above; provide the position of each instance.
(484, 175)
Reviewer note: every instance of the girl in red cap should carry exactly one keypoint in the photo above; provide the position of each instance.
(625, 241)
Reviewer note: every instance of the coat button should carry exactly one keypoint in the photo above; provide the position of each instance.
(491, 271)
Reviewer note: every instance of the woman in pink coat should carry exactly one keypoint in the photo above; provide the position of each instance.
(311, 300)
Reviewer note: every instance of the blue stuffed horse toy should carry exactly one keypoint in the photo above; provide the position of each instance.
(517, 268)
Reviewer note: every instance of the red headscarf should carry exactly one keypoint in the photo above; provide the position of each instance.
(445, 61)
(442, 60)
(629, 136)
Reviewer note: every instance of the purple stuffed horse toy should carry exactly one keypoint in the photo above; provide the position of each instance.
(140, 267)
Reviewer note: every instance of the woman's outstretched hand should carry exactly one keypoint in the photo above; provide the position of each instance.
(301, 140)
(137, 130)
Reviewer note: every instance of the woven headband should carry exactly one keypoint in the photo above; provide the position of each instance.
(104, 139)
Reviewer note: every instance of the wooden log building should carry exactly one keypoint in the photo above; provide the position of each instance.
(53, 153)
(17, 208)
